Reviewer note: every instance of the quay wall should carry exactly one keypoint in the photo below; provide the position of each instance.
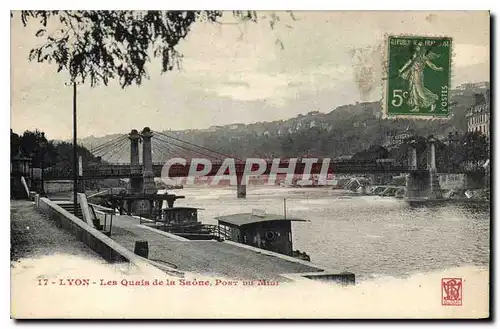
(101, 244)
(58, 186)
(97, 241)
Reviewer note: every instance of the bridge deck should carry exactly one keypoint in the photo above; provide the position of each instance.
(206, 257)
(344, 167)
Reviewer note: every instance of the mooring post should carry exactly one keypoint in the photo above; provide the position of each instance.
(141, 249)
(241, 187)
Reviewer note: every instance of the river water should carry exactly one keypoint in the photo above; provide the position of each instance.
(398, 253)
(370, 236)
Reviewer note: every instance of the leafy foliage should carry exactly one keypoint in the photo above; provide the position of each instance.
(104, 45)
(372, 153)
(53, 154)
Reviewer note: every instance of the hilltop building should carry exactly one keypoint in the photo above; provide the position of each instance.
(478, 115)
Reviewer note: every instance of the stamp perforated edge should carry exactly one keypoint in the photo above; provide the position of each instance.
(385, 74)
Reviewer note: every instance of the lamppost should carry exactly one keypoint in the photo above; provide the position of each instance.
(75, 147)
(43, 146)
(32, 176)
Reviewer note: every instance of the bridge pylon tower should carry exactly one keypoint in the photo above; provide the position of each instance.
(135, 184)
(148, 178)
(422, 183)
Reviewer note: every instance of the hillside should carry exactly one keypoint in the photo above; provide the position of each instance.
(343, 131)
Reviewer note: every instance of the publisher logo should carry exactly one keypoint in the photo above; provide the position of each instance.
(451, 291)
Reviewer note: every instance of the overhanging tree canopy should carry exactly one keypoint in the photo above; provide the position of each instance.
(97, 46)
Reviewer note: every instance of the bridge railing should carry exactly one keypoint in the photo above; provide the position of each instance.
(361, 167)
(103, 170)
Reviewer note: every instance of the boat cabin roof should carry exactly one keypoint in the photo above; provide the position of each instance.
(128, 196)
(249, 218)
(179, 208)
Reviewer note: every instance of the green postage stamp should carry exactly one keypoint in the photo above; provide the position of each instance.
(418, 77)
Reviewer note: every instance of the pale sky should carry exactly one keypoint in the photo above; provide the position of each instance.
(238, 74)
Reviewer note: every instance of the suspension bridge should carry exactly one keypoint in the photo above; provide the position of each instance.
(158, 147)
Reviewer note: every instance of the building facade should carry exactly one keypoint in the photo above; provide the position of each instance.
(393, 139)
(478, 116)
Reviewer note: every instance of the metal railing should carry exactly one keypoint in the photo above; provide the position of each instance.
(192, 229)
(337, 167)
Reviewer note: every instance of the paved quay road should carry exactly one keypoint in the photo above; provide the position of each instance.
(210, 258)
(33, 235)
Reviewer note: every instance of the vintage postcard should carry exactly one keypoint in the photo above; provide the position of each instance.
(250, 165)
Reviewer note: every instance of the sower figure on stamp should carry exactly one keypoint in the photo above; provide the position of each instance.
(413, 71)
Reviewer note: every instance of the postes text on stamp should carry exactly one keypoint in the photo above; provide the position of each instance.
(418, 76)
(451, 291)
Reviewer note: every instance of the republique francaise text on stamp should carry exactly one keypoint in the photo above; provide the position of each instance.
(418, 77)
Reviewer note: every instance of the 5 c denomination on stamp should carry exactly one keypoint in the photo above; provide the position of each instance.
(418, 76)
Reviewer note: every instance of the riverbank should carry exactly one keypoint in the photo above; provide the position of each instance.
(448, 195)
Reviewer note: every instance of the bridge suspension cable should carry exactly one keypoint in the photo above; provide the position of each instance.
(108, 143)
(170, 137)
(112, 149)
(191, 151)
(110, 146)
(166, 150)
(165, 145)
(176, 150)
(121, 151)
